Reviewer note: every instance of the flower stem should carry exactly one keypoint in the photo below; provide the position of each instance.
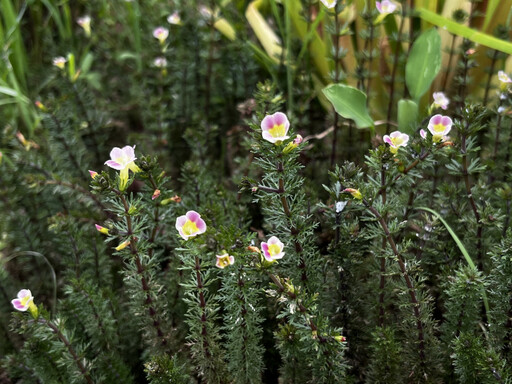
(140, 271)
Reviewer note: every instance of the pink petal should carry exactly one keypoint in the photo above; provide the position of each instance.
(379, 7)
(113, 164)
(273, 240)
(280, 118)
(264, 248)
(129, 152)
(436, 119)
(17, 305)
(201, 225)
(267, 123)
(193, 216)
(387, 140)
(395, 134)
(115, 153)
(180, 222)
(446, 121)
(24, 293)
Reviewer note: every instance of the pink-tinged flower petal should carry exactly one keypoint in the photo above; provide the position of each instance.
(113, 164)
(267, 136)
(423, 134)
(93, 174)
(378, 6)
(447, 121)
(129, 152)
(201, 225)
(24, 293)
(180, 221)
(274, 240)
(280, 118)
(387, 140)
(267, 123)
(436, 119)
(116, 152)
(18, 305)
(193, 216)
(264, 248)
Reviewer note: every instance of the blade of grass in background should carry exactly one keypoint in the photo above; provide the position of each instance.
(462, 249)
(466, 32)
(12, 40)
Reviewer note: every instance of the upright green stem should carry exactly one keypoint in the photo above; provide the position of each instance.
(202, 306)
(382, 283)
(141, 271)
(449, 67)
(490, 75)
(293, 230)
(408, 281)
(70, 349)
(472, 202)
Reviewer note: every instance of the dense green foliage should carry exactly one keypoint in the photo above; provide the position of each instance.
(227, 248)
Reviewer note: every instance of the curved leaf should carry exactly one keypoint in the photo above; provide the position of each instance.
(424, 63)
(350, 103)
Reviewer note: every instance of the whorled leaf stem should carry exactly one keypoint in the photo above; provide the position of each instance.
(69, 347)
(202, 306)
(141, 270)
(474, 208)
(408, 281)
(293, 230)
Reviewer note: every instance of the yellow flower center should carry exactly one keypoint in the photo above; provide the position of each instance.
(397, 141)
(440, 128)
(25, 300)
(223, 261)
(277, 130)
(189, 228)
(274, 249)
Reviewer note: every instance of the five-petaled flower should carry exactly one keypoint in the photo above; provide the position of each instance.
(224, 260)
(174, 19)
(190, 225)
(25, 301)
(329, 3)
(85, 23)
(439, 126)
(385, 7)
(273, 249)
(123, 160)
(396, 140)
(161, 34)
(275, 127)
(440, 100)
(60, 62)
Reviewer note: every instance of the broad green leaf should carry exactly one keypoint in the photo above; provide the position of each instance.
(350, 103)
(424, 63)
(462, 249)
(463, 31)
(407, 116)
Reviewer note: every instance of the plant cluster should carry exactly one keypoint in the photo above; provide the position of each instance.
(170, 215)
